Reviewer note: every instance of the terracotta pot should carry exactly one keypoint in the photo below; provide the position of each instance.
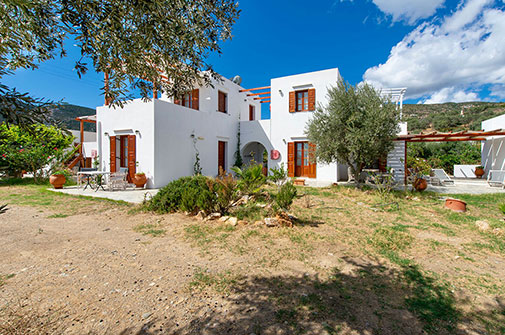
(140, 180)
(57, 180)
(479, 172)
(264, 170)
(455, 205)
(420, 184)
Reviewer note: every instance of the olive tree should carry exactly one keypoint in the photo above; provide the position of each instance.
(134, 42)
(357, 127)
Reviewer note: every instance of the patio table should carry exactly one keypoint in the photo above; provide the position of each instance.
(98, 176)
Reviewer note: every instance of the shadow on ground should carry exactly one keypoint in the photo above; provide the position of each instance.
(370, 299)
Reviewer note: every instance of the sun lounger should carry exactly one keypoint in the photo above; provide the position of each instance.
(441, 178)
(496, 178)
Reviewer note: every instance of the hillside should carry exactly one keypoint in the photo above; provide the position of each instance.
(450, 116)
(68, 112)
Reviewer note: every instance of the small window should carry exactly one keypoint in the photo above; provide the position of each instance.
(222, 102)
(302, 100)
(187, 100)
(251, 113)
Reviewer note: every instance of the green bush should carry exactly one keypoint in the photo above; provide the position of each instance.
(32, 150)
(251, 179)
(278, 175)
(284, 198)
(225, 188)
(502, 208)
(189, 194)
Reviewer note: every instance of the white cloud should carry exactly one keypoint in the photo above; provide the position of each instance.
(409, 11)
(467, 48)
(450, 94)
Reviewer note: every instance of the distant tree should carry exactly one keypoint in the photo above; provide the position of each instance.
(357, 127)
(133, 41)
(33, 150)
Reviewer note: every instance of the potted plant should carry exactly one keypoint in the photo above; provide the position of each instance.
(421, 169)
(479, 171)
(58, 178)
(140, 179)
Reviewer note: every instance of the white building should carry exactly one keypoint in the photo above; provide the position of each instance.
(161, 137)
(493, 148)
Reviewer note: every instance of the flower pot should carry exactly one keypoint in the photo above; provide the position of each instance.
(420, 184)
(264, 170)
(455, 205)
(57, 180)
(140, 180)
(479, 172)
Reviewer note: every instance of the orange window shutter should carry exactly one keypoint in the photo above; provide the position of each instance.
(132, 159)
(195, 96)
(312, 99)
(291, 159)
(312, 161)
(292, 101)
(112, 154)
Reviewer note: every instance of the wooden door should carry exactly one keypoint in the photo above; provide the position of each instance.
(221, 153)
(112, 153)
(132, 157)
(291, 159)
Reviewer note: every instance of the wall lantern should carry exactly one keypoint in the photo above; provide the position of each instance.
(275, 154)
(106, 134)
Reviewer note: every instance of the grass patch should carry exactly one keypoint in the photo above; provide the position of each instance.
(58, 216)
(204, 234)
(220, 282)
(153, 230)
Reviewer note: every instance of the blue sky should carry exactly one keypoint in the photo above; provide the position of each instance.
(442, 50)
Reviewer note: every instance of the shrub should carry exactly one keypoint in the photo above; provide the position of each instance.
(502, 208)
(284, 198)
(225, 188)
(278, 175)
(186, 194)
(251, 179)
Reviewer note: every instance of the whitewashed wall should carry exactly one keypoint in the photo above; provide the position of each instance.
(289, 127)
(164, 146)
(135, 118)
(493, 149)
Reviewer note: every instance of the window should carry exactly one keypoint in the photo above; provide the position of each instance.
(222, 102)
(302, 100)
(187, 100)
(251, 113)
(190, 99)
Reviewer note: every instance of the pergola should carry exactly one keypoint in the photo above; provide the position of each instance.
(435, 136)
(258, 95)
(82, 119)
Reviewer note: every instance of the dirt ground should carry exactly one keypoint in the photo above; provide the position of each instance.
(101, 269)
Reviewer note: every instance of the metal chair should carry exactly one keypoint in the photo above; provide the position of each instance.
(117, 180)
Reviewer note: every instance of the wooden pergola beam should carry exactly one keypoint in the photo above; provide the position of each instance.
(262, 98)
(260, 93)
(264, 101)
(254, 89)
